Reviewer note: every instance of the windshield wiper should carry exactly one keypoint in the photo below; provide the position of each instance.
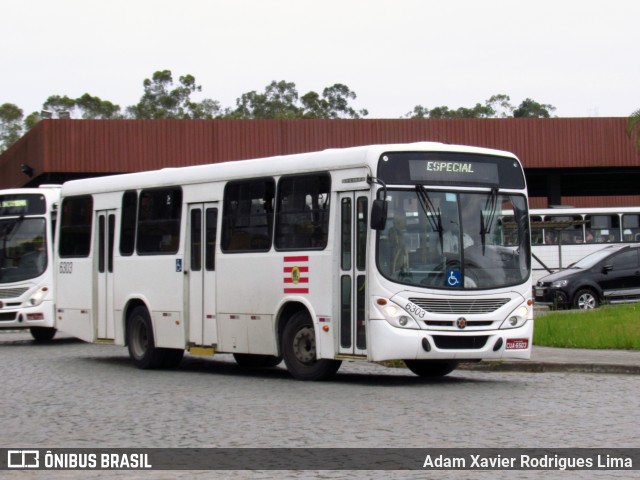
(492, 207)
(433, 217)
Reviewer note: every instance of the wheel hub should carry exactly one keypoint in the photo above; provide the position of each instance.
(304, 345)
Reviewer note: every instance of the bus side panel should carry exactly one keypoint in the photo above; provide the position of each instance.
(138, 277)
(257, 287)
(246, 300)
(74, 296)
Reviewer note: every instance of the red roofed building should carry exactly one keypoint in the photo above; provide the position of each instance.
(569, 161)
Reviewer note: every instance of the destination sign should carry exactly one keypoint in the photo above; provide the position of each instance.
(450, 168)
(453, 171)
(22, 204)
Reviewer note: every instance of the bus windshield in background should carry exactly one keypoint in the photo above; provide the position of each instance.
(454, 240)
(23, 249)
(14, 205)
(446, 168)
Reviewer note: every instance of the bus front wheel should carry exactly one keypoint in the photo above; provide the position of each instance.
(142, 348)
(299, 350)
(431, 368)
(42, 334)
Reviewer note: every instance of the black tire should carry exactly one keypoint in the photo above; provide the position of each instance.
(249, 360)
(431, 368)
(171, 357)
(142, 348)
(42, 334)
(586, 299)
(299, 350)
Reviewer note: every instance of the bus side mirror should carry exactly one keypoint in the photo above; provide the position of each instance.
(379, 214)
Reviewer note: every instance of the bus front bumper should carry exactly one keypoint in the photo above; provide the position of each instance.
(391, 343)
(27, 317)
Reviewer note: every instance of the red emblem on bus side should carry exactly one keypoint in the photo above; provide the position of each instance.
(296, 274)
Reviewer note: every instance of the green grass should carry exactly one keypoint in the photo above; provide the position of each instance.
(609, 327)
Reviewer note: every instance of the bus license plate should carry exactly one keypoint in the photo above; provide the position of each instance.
(517, 343)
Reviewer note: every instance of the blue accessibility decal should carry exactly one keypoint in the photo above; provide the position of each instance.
(453, 278)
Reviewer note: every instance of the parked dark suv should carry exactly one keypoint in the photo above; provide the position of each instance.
(608, 275)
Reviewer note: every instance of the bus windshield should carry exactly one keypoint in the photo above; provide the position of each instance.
(23, 248)
(454, 240)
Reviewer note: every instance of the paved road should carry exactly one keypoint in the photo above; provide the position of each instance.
(72, 394)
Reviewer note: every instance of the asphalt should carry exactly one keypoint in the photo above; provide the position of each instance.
(543, 359)
(578, 360)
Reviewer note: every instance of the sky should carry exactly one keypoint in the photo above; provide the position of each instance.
(581, 56)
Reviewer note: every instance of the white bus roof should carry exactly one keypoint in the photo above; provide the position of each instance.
(301, 162)
(568, 211)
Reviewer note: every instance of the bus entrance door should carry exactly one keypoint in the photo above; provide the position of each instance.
(106, 220)
(352, 272)
(201, 271)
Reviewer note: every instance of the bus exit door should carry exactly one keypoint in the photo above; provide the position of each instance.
(106, 224)
(352, 234)
(201, 272)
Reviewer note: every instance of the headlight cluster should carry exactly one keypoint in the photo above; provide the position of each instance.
(559, 283)
(38, 297)
(396, 315)
(517, 318)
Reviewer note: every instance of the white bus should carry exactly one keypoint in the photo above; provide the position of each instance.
(27, 223)
(314, 258)
(562, 236)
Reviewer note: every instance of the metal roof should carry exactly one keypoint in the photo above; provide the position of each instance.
(92, 147)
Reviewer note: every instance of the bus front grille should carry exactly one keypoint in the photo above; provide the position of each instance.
(7, 316)
(450, 342)
(460, 306)
(12, 292)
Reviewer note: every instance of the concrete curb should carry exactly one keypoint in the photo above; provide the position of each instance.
(550, 367)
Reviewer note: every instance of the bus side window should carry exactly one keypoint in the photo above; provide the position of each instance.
(159, 215)
(247, 215)
(128, 222)
(76, 221)
(302, 212)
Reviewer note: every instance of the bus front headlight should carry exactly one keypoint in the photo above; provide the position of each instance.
(517, 318)
(397, 316)
(38, 297)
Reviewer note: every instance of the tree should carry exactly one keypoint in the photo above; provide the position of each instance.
(278, 101)
(632, 127)
(96, 108)
(162, 100)
(87, 106)
(10, 125)
(59, 104)
(501, 106)
(497, 106)
(532, 109)
(333, 104)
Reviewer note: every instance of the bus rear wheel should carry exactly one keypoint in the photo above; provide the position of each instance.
(431, 368)
(299, 350)
(141, 345)
(42, 334)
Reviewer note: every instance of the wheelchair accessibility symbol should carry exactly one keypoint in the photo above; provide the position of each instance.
(453, 278)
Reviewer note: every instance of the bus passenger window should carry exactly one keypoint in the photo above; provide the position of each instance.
(247, 215)
(159, 216)
(302, 213)
(75, 227)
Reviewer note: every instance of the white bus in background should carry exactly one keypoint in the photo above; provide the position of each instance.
(562, 236)
(27, 225)
(311, 258)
